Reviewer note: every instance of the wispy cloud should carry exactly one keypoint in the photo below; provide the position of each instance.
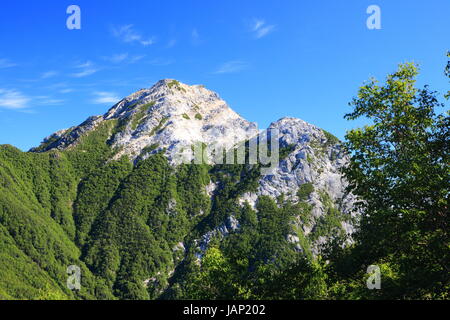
(102, 97)
(51, 101)
(87, 64)
(61, 87)
(86, 69)
(195, 37)
(161, 62)
(84, 73)
(171, 43)
(47, 100)
(261, 29)
(49, 74)
(117, 58)
(124, 58)
(13, 99)
(128, 34)
(231, 67)
(134, 59)
(66, 90)
(5, 63)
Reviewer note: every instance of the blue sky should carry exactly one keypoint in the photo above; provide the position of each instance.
(267, 59)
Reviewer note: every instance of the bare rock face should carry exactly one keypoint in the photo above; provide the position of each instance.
(173, 115)
(169, 115)
(316, 159)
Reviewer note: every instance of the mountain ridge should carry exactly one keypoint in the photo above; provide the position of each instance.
(169, 103)
(176, 102)
(110, 200)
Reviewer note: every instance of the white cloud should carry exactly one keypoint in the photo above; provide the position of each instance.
(135, 59)
(13, 99)
(261, 29)
(231, 67)
(66, 90)
(127, 34)
(5, 63)
(87, 64)
(49, 74)
(124, 58)
(105, 97)
(117, 58)
(258, 24)
(46, 100)
(84, 73)
(87, 69)
(53, 102)
(61, 87)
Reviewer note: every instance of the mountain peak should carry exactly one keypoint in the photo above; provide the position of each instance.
(171, 90)
(172, 114)
(168, 115)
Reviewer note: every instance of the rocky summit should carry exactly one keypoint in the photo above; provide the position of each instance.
(169, 115)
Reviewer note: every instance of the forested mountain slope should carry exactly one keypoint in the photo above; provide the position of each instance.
(110, 197)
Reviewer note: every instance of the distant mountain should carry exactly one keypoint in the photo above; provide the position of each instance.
(111, 197)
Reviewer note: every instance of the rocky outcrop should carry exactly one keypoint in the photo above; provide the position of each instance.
(170, 116)
(317, 158)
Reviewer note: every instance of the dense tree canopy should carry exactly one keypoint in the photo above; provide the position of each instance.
(400, 170)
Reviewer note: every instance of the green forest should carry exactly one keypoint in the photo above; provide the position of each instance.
(133, 227)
